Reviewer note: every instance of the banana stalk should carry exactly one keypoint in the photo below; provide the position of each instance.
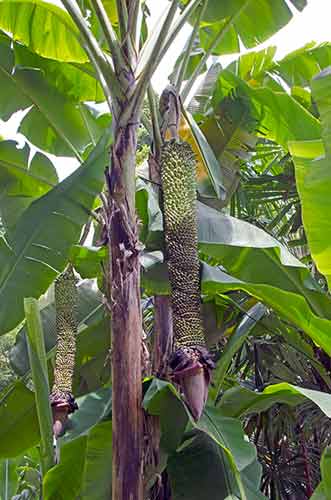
(191, 362)
(61, 398)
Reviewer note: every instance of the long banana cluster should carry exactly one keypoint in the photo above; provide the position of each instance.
(191, 362)
(61, 398)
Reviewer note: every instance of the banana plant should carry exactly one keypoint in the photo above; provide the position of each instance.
(105, 52)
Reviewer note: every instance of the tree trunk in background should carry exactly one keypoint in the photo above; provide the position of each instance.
(162, 349)
(124, 279)
(163, 335)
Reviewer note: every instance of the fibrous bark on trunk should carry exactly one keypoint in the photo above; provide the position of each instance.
(126, 321)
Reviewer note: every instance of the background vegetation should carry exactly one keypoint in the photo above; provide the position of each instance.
(260, 128)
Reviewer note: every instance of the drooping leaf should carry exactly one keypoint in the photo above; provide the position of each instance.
(93, 408)
(55, 123)
(313, 181)
(200, 470)
(188, 471)
(252, 255)
(35, 254)
(77, 81)
(201, 100)
(163, 400)
(240, 401)
(254, 21)
(290, 306)
(43, 27)
(21, 183)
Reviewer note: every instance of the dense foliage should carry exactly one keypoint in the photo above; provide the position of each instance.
(260, 131)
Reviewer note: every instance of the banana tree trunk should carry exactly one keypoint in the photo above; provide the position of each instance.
(126, 321)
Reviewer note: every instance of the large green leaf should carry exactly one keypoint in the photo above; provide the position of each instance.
(200, 470)
(30, 261)
(254, 66)
(85, 467)
(319, 493)
(64, 480)
(22, 182)
(10, 99)
(240, 401)
(312, 164)
(290, 306)
(228, 433)
(296, 69)
(39, 376)
(279, 116)
(43, 27)
(162, 399)
(230, 131)
(96, 480)
(19, 423)
(92, 409)
(314, 183)
(253, 21)
(299, 67)
(88, 260)
(56, 123)
(77, 81)
(259, 265)
(252, 255)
